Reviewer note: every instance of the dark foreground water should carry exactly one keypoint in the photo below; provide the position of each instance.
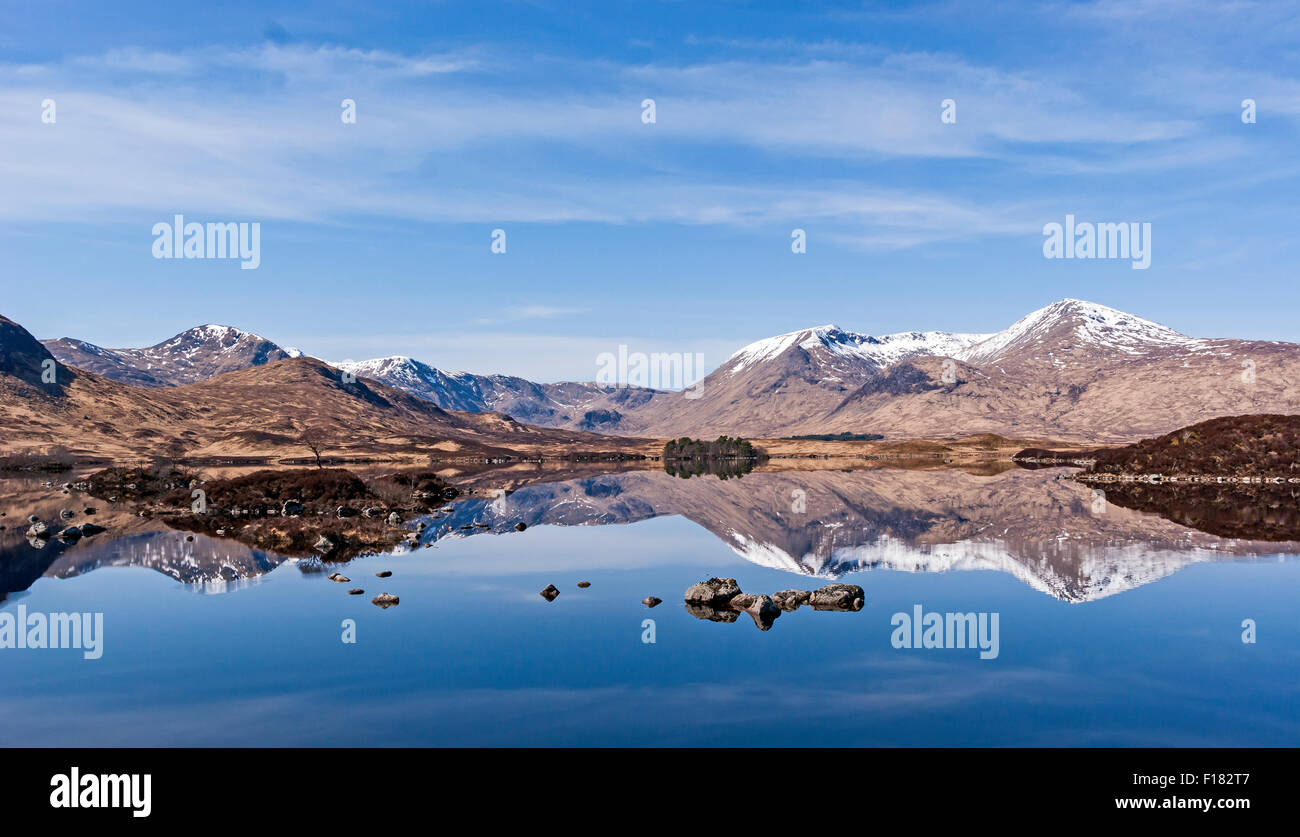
(1115, 627)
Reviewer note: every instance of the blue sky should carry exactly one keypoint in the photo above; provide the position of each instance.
(674, 236)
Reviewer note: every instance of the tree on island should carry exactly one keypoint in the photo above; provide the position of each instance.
(724, 447)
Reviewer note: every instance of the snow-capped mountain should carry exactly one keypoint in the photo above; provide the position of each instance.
(853, 348)
(191, 356)
(449, 390)
(1071, 327)
(1070, 370)
(579, 406)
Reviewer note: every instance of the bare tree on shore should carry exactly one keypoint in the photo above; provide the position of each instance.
(313, 438)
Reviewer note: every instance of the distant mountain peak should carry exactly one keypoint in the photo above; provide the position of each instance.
(193, 355)
(1077, 325)
(870, 351)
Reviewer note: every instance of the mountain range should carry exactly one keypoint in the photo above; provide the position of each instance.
(262, 408)
(1073, 370)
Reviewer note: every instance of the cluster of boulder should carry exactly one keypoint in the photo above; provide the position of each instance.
(722, 600)
(39, 532)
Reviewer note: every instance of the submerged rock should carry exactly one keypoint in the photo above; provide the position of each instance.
(385, 600)
(550, 592)
(842, 597)
(715, 591)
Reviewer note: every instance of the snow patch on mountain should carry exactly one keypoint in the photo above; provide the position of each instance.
(875, 351)
(1090, 324)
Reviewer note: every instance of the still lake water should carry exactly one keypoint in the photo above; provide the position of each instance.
(1116, 627)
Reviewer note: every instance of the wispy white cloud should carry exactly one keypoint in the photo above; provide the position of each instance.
(464, 136)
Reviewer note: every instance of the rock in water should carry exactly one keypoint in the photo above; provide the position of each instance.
(791, 600)
(385, 600)
(761, 608)
(652, 601)
(324, 544)
(550, 592)
(584, 584)
(383, 573)
(38, 530)
(715, 591)
(355, 591)
(339, 577)
(520, 526)
(91, 529)
(71, 533)
(291, 508)
(844, 597)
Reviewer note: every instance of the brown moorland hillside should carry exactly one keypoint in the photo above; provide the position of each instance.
(259, 411)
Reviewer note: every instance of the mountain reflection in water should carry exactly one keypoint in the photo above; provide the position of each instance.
(1040, 527)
